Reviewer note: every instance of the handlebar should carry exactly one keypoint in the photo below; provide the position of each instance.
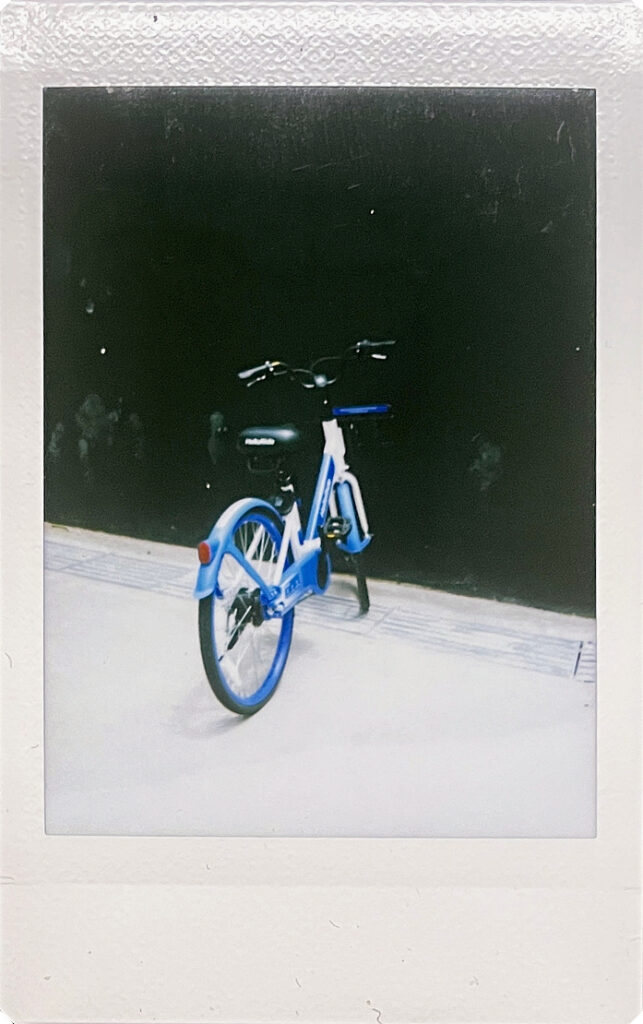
(244, 374)
(372, 346)
(309, 377)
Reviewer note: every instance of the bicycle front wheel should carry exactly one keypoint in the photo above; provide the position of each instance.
(244, 653)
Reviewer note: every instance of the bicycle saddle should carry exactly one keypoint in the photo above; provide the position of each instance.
(267, 439)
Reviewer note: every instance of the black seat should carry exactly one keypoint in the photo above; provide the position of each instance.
(264, 440)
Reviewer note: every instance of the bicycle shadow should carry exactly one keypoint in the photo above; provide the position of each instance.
(200, 716)
(344, 586)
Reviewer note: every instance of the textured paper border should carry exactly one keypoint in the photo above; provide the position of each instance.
(124, 929)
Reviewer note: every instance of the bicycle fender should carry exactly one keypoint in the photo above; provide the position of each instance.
(353, 543)
(207, 574)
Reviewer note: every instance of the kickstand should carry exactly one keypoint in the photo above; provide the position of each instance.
(360, 580)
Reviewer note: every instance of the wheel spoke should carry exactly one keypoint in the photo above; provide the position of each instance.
(246, 647)
(246, 549)
(237, 626)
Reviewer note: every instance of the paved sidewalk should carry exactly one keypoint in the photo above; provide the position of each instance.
(435, 715)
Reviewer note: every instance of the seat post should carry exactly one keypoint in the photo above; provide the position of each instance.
(326, 407)
(285, 499)
(349, 438)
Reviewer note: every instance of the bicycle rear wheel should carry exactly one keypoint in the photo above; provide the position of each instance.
(244, 653)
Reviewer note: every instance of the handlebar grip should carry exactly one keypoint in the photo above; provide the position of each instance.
(245, 374)
(373, 345)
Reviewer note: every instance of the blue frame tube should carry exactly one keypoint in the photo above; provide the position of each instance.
(233, 551)
(321, 496)
(218, 539)
(361, 410)
(353, 543)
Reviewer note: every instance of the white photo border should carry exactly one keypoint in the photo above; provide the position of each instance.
(208, 929)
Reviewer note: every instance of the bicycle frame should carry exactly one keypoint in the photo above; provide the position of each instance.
(302, 578)
(337, 492)
(259, 562)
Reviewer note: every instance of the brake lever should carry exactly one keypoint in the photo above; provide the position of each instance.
(296, 373)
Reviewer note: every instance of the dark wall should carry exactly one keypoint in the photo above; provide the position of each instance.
(189, 233)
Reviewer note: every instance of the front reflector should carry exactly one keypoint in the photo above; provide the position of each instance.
(205, 553)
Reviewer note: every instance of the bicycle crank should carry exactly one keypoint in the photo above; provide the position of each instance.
(246, 609)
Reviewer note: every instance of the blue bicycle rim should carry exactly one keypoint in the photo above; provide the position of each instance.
(283, 643)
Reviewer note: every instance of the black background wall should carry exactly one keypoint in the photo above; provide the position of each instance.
(190, 233)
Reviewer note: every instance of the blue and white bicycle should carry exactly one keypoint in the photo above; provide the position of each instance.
(258, 562)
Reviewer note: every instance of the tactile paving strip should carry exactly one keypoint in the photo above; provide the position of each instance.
(62, 556)
(586, 662)
(534, 652)
(550, 655)
(124, 570)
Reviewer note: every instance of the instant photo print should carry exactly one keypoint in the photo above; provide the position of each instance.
(321, 512)
(338, 343)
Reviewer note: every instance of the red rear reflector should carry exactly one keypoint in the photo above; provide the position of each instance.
(205, 553)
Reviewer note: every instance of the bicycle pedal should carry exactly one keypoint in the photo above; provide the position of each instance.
(336, 528)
